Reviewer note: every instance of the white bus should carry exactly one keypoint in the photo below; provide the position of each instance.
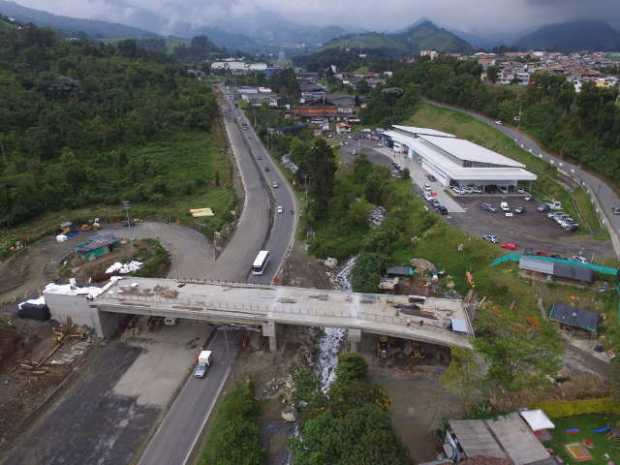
(260, 262)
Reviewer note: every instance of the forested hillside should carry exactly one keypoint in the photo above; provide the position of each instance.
(76, 120)
(584, 126)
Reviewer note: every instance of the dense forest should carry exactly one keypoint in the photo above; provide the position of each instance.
(584, 126)
(72, 114)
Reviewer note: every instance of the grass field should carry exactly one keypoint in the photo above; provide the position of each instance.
(585, 423)
(197, 169)
(546, 187)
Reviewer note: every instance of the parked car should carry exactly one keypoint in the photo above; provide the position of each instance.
(427, 187)
(519, 210)
(488, 207)
(509, 245)
(499, 122)
(442, 210)
(580, 259)
(504, 206)
(274, 185)
(509, 214)
(431, 178)
(492, 238)
(616, 211)
(543, 208)
(280, 210)
(527, 198)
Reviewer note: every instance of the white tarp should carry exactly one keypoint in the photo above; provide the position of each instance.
(61, 238)
(537, 420)
(39, 301)
(125, 268)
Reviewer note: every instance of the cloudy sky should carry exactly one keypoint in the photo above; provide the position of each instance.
(466, 15)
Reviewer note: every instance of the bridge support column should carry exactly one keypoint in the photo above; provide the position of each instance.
(355, 337)
(269, 330)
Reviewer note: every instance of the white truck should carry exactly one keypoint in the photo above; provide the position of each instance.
(204, 362)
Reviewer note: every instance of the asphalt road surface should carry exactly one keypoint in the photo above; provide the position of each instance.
(178, 433)
(605, 194)
(260, 227)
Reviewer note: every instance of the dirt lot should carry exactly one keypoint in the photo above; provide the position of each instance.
(531, 229)
(302, 270)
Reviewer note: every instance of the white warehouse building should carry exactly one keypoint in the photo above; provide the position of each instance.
(454, 161)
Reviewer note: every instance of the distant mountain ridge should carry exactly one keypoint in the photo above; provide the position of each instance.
(94, 28)
(422, 35)
(572, 36)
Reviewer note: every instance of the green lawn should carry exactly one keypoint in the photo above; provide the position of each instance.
(585, 423)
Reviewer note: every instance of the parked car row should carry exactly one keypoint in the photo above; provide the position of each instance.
(471, 189)
(564, 220)
(438, 207)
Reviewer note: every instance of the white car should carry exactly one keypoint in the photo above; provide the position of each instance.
(274, 185)
(280, 210)
(428, 196)
(504, 206)
(499, 122)
(427, 187)
(509, 214)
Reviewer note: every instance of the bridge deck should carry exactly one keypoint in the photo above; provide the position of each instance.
(254, 304)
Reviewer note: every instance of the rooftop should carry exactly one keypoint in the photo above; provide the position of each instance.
(575, 317)
(414, 131)
(468, 151)
(458, 172)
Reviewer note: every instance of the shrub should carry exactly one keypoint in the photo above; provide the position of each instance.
(570, 408)
(234, 438)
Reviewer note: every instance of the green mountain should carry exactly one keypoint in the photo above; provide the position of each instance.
(93, 28)
(421, 36)
(572, 36)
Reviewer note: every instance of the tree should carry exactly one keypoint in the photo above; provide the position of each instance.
(366, 272)
(359, 212)
(320, 168)
(492, 74)
(463, 375)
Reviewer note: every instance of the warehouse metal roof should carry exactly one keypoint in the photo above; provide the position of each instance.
(422, 131)
(458, 172)
(468, 151)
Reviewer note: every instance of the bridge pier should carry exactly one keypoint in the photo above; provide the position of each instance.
(355, 337)
(269, 330)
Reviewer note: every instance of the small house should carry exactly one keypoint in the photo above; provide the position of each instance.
(508, 438)
(96, 247)
(583, 322)
(400, 272)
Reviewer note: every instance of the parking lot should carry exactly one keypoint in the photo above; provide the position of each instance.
(528, 230)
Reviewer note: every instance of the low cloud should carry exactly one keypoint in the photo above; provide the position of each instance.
(476, 15)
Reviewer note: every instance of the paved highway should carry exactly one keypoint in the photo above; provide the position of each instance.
(259, 227)
(284, 224)
(180, 430)
(606, 196)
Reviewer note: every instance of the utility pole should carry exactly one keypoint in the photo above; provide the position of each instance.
(126, 206)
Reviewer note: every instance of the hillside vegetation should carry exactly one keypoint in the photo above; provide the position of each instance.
(419, 37)
(85, 124)
(571, 37)
(584, 126)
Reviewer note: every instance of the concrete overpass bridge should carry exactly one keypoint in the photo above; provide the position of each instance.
(438, 321)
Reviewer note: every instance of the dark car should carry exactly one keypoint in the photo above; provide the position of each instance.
(543, 208)
(431, 178)
(441, 209)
